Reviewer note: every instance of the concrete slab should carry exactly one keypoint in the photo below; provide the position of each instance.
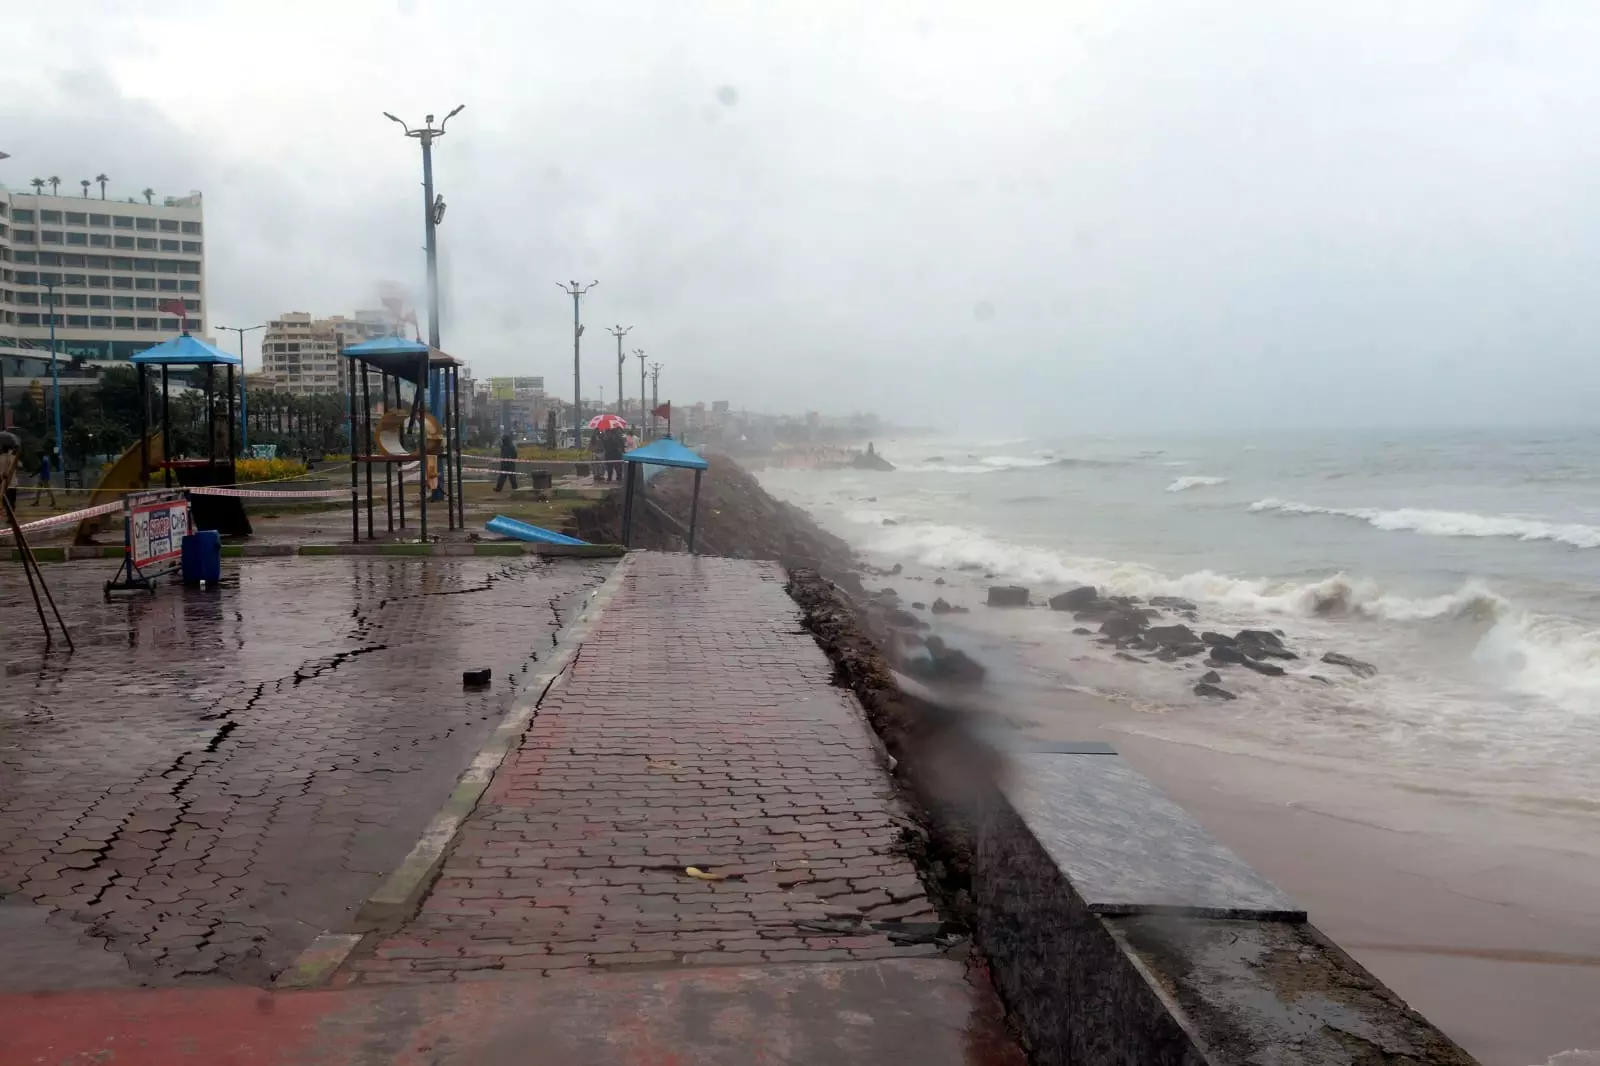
(1127, 848)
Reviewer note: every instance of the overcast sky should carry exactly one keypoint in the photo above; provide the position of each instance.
(1137, 214)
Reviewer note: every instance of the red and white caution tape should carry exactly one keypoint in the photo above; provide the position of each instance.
(483, 462)
(66, 519)
(276, 494)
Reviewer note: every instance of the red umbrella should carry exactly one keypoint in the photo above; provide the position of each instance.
(607, 421)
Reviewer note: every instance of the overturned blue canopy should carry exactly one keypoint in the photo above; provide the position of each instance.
(396, 355)
(666, 452)
(185, 351)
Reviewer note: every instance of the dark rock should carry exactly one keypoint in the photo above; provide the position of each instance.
(942, 606)
(1078, 599)
(1008, 596)
(1178, 634)
(1183, 651)
(1321, 679)
(904, 619)
(1263, 668)
(890, 522)
(1211, 677)
(1227, 653)
(969, 567)
(1215, 639)
(1361, 669)
(1167, 655)
(1126, 657)
(991, 575)
(896, 568)
(946, 662)
(888, 593)
(1124, 624)
(919, 606)
(477, 677)
(1083, 631)
(1262, 637)
(939, 581)
(871, 461)
(1172, 603)
(1205, 688)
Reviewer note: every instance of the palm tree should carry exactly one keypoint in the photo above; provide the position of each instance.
(55, 184)
(102, 179)
(38, 186)
(149, 195)
(85, 183)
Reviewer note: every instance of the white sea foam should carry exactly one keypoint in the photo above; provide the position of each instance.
(1537, 655)
(1195, 481)
(1447, 523)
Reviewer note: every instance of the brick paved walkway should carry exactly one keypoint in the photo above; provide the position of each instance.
(215, 778)
(697, 726)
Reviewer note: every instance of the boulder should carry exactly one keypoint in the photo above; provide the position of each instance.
(1263, 637)
(1211, 677)
(1359, 668)
(950, 663)
(1008, 596)
(1227, 653)
(1183, 651)
(1079, 599)
(1083, 631)
(939, 581)
(1172, 603)
(1129, 658)
(871, 461)
(1178, 634)
(905, 619)
(942, 606)
(1123, 624)
(1205, 688)
(890, 522)
(896, 568)
(1263, 668)
(1215, 639)
(919, 606)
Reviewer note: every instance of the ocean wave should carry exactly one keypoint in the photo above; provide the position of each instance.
(1016, 462)
(1447, 523)
(1539, 655)
(1195, 481)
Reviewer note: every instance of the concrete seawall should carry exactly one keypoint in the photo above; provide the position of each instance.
(1117, 930)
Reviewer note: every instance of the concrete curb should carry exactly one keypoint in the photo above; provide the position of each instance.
(79, 552)
(401, 892)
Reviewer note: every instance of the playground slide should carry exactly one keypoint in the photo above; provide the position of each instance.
(510, 527)
(121, 477)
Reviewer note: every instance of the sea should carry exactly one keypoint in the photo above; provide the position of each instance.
(1464, 565)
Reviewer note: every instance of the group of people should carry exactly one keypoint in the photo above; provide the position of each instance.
(607, 446)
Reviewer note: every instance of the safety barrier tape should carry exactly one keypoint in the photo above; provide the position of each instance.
(276, 494)
(66, 519)
(484, 462)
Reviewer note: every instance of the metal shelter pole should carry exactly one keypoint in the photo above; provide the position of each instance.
(694, 509)
(447, 456)
(422, 444)
(144, 428)
(400, 469)
(388, 468)
(355, 506)
(461, 493)
(627, 504)
(166, 432)
(366, 420)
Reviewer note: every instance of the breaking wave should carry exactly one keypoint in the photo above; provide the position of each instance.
(1195, 481)
(1553, 658)
(1447, 523)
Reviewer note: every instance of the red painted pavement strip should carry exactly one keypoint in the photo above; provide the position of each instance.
(925, 1012)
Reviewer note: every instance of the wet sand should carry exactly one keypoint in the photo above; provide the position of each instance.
(1486, 921)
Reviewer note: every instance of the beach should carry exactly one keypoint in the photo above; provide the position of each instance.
(1441, 819)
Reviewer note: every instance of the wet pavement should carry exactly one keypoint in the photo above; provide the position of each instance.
(214, 778)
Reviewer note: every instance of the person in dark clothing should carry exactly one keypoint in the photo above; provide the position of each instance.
(612, 443)
(508, 469)
(44, 480)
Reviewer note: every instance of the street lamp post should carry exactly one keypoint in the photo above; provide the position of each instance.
(244, 397)
(573, 289)
(55, 374)
(643, 415)
(432, 215)
(619, 333)
(655, 394)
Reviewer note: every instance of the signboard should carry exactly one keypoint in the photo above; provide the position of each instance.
(503, 388)
(157, 530)
(536, 384)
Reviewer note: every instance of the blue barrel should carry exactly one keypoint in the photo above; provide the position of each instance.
(202, 557)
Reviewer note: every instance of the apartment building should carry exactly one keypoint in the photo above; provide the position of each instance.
(112, 264)
(300, 354)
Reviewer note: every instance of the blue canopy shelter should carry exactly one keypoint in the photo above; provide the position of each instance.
(664, 452)
(225, 514)
(438, 449)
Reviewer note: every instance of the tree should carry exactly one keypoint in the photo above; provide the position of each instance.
(85, 183)
(55, 184)
(38, 186)
(102, 179)
(550, 429)
(149, 195)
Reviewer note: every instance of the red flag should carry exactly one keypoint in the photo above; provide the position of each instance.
(175, 307)
(664, 411)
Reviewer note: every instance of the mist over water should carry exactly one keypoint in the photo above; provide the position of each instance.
(1463, 565)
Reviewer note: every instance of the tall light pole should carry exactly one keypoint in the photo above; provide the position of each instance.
(244, 397)
(643, 414)
(655, 394)
(432, 215)
(619, 333)
(576, 291)
(55, 374)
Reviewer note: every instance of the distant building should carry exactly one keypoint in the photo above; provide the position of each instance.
(300, 354)
(113, 263)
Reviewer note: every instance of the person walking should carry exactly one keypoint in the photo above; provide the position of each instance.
(508, 468)
(44, 479)
(613, 444)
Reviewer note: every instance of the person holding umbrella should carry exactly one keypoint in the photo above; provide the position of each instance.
(609, 445)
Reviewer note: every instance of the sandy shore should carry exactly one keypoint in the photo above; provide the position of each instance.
(1487, 921)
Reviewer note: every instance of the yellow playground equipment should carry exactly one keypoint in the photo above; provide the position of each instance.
(387, 437)
(120, 478)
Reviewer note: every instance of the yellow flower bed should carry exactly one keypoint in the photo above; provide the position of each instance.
(268, 469)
